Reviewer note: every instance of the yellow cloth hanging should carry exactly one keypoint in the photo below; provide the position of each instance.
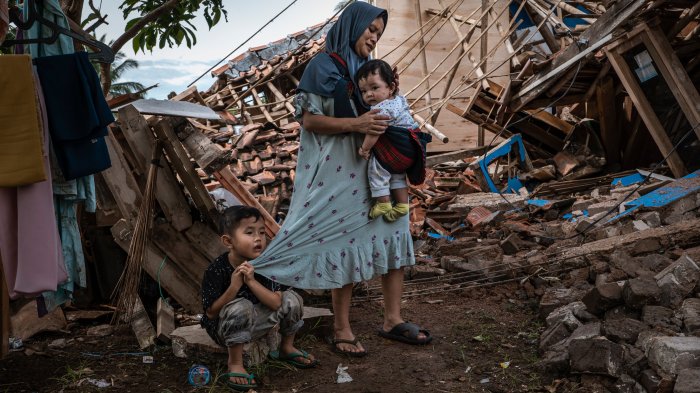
(21, 153)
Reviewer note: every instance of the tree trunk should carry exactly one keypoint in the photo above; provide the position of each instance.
(73, 9)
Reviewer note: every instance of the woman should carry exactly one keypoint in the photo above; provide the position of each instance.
(327, 241)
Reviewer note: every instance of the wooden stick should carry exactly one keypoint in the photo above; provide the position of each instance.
(432, 130)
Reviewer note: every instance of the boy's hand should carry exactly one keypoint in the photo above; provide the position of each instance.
(363, 153)
(247, 270)
(237, 278)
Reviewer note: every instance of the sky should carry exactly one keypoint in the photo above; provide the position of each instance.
(174, 68)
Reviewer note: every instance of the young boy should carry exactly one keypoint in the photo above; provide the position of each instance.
(240, 305)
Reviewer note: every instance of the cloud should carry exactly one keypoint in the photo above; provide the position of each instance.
(170, 75)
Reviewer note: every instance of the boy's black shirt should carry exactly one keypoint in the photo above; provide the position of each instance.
(217, 278)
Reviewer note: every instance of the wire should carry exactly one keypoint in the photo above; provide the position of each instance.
(244, 42)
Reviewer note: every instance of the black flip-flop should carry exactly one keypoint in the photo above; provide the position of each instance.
(334, 346)
(398, 333)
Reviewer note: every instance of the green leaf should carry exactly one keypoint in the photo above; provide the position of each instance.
(136, 43)
(130, 23)
(179, 35)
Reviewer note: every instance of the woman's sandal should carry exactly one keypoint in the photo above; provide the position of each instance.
(398, 333)
(334, 346)
(290, 359)
(239, 387)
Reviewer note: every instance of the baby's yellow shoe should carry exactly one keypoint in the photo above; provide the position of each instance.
(379, 209)
(400, 209)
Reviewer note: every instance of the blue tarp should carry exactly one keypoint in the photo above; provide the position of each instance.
(665, 195)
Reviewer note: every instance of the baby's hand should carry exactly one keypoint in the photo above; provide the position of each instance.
(363, 153)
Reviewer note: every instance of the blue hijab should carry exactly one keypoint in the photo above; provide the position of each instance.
(321, 74)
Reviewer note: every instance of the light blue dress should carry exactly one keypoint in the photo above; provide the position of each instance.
(327, 239)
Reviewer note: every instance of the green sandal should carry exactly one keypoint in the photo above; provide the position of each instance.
(289, 358)
(237, 386)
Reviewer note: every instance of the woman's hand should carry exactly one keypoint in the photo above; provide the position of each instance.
(371, 123)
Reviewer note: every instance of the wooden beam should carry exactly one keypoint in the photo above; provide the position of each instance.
(614, 17)
(168, 193)
(647, 113)
(607, 111)
(141, 325)
(121, 182)
(167, 274)
(454, 156)
(183, 166)
(258, 101)
(454, 17)
(424, 59)
(230, 182)
(165, 320)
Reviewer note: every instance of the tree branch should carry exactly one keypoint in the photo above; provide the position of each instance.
(146, 19)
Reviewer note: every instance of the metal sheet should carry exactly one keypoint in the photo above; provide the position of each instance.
(174, 108)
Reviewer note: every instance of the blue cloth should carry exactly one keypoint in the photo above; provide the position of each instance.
(321, 74)
(77, 111)
(51, 10)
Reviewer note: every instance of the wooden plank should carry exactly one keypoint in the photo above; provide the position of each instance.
(4, 314)
(230, 182)
(454, 156)
(121, 182)
(183, 166)
(168, 193)
(205, 240)
(141, 325)
(647, 113)
(165, 320)
(179, 251)
(608, 22)
(610, 134)
(208, 155)
(169, 276)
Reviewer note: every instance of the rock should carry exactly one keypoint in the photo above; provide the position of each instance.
(596, 355)
(626, 384)
(490, 200)
(422, 271)
(601, 207)
(602, 297)
(487, 259)
(554, 361)
(690, 311)
(582, 204)
(621, 312)
(623, 329)
(677, 281)
(188, 341)
(634, 360)
(589, 330)
(554, 334)
(458, 246)
(656, 316)
(566, 314)
(512, 244)
(645, 338)
(652, 219)
(584, 316)
(58, 343)
(655, 262)
(688, 381)
(679, 210)
(649, 380)
(645, 246)
(641, 291)
(554, 298)
(673, 354)
(625, 262)
(100, 330)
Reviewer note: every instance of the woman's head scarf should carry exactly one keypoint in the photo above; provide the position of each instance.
(321, 74)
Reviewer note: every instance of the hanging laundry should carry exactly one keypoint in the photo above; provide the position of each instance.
(21, 160)
(78, 113)
(4, 20)
(30, 246)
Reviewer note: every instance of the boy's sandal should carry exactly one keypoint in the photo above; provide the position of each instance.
(398, 333)
(239, 386)
(334, 346)
(290, 359)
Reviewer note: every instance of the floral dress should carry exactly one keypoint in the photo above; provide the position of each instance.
(327, 240)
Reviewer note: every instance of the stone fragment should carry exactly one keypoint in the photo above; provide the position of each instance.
(649, 380)
(422, 271)
(566, 314)
(589, 330)
(601, 207)
(554, 334)
(596, 355)
(555, 361)
(623, 329)
(655, 262)
(554, 298)
(657, 316)
(645, 246)
(602, 297)
(690, 311)
(677, 281)
(620, 312)
(582, 204)
(652, 219)
(641, 291)
(512, 244)
(673, 354)
(688, 381)
(626, 384)
(634, 360)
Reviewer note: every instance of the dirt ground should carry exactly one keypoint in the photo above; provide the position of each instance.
(485, 341)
